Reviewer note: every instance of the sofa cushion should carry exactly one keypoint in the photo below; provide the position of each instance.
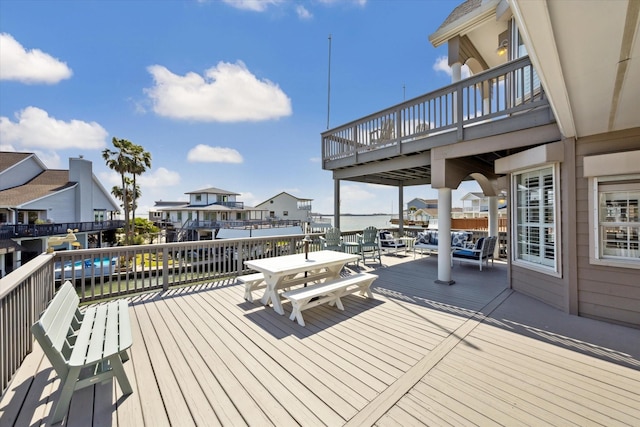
(479, 243)
(458, 239)
(423, 237)
(465, 253)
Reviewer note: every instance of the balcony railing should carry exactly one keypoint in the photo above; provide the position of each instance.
(8, 231)
(494, 94)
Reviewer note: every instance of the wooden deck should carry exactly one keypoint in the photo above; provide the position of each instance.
(474, 353)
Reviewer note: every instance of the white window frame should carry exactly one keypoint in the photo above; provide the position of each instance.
(555, 269)
(596, 185)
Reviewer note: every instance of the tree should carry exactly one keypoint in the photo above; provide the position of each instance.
(133, 193)
(140, 161)
(129, 160)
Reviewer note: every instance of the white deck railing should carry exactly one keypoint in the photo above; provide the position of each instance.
(116, 272)
(24, 293)
(496, 93)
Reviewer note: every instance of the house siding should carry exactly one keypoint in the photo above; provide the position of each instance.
(546, 288)
(605, 293)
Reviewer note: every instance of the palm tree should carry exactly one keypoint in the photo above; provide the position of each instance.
(118, 161)
(140, 161)
(127, 159)
(133, 193)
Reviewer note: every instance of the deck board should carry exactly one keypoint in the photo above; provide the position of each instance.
(417, 354)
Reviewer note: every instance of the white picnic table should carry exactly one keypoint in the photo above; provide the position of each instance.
(289, 270)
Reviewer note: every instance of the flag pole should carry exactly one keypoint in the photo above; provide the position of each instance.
(329, 84)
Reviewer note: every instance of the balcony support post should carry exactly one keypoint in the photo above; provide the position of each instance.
(336, 203)
(493, 222)
(444, 236)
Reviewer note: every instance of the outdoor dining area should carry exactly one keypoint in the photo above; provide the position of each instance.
(411, 352)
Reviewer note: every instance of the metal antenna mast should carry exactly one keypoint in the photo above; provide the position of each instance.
(329, 85)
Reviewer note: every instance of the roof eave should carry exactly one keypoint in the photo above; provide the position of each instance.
(465, 24)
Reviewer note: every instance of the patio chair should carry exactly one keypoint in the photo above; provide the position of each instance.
(385, 132)
(480, 253)
(390, 243)
(369, 244)
(332, 240)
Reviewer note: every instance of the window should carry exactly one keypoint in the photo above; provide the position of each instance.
(285, 213)
(536, 219)
(198, 198)
(617, 219)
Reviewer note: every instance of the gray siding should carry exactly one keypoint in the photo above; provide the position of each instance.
(608, 293)
(546, 288)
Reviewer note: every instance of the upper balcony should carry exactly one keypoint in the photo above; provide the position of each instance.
(500, 100)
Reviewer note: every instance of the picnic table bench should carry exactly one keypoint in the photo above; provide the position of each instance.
(329, 291)
(252, 282)
(84, 347)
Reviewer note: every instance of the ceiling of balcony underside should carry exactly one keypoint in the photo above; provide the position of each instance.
(588, 55)
(379, 171)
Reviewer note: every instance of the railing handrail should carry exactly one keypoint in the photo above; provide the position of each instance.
(8, 231)
(451, 88)
(506, 89)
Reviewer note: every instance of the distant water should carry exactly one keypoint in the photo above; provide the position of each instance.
(360, 222)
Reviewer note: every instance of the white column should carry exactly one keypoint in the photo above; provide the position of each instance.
(401, 210)
(493, 223)
(336, 203)
(456, 76)
(456, 72)
(444, 236)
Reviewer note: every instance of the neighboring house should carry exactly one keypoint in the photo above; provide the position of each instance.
(206, 211)
(550, 115)
(37, 203)
(476, 205)
(287, 207)
(427, 209)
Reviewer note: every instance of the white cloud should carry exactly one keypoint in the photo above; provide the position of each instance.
(249, 199)
(33, 66)
(442, 64)
(253, 5)
(303, 12)
(226, 93)
(159, 178)
(206, 154)
(34, 128)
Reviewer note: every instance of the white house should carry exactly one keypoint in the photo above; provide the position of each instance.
(37, 203)
(206, 211)
(476, 205)
(284, 206)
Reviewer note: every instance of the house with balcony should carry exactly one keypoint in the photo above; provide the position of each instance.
(550, 116)
(206, 211)
(287, 206)
(476, 205)
(38, 203)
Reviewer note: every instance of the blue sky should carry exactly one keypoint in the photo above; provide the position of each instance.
(226, 94)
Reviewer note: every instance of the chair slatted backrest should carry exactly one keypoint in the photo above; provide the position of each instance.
(489, 246)
(333, 238)
(56, 326)
(369, 236)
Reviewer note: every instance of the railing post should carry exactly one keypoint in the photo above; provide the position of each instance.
(459, 112)
(165, 268)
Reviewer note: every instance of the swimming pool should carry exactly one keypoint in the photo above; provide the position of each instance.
(86, 268)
